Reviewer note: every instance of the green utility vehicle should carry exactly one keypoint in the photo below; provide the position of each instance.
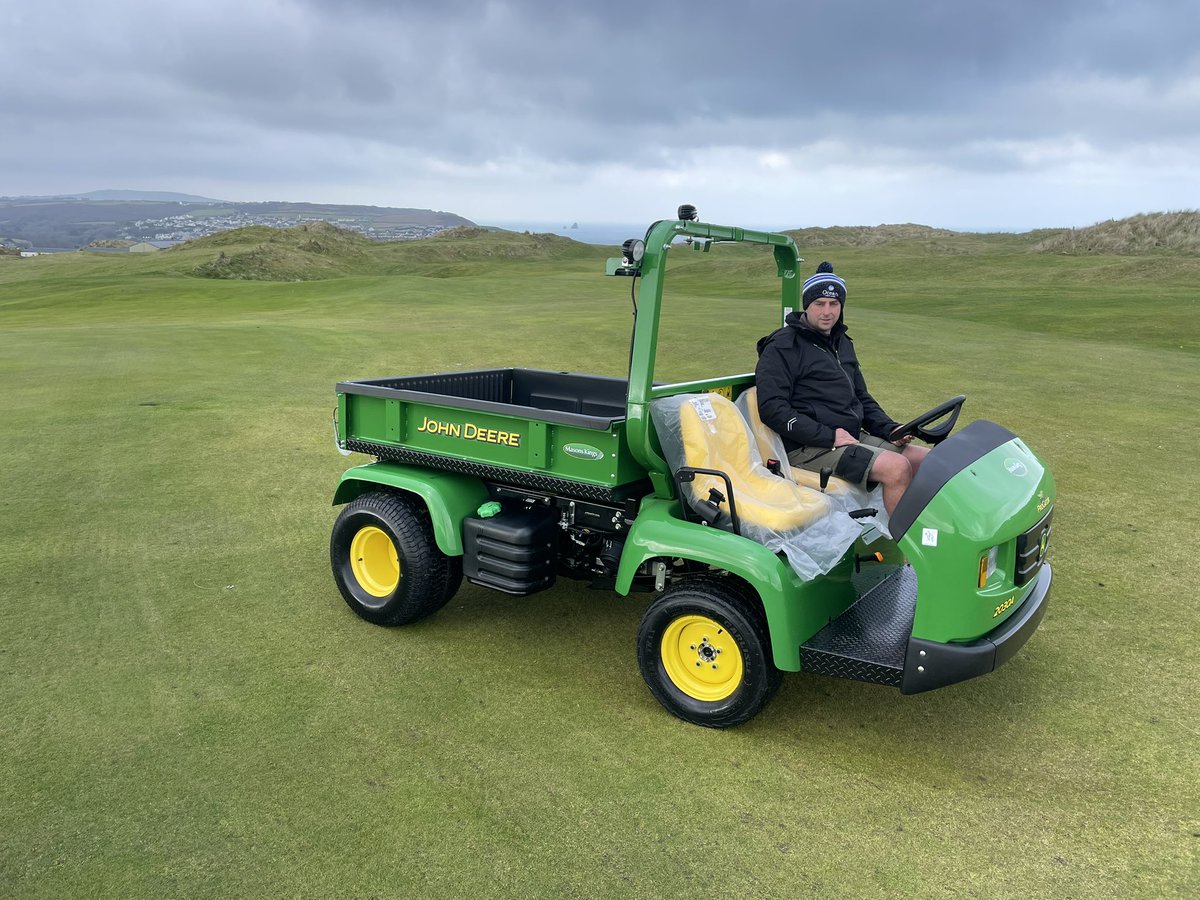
(512, 478)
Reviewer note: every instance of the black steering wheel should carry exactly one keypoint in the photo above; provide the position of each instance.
(938, 433)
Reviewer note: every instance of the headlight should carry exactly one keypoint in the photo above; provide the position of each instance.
(987, 565)
(632, 252)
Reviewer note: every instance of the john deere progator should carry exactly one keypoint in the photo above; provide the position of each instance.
(513, 478)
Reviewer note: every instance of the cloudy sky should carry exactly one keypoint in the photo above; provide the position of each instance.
(958, 113)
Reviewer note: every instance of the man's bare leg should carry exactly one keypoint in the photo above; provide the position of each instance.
(915, 456)
(895, 473)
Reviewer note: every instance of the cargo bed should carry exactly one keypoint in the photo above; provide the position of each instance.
(530, 427)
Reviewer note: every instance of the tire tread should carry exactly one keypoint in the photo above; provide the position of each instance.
(743, 601)
(427, 576)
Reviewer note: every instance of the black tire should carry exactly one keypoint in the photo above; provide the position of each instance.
(424, 579)
(703, 620)
(454, 578)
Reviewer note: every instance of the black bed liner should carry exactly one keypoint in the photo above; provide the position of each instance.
(565, 398)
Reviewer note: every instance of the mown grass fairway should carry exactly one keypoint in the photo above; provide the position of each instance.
(188, 708)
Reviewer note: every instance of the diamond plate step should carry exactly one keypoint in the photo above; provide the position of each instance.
(867, 641)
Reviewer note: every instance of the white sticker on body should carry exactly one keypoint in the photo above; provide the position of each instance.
(704, 410)
(929, 537)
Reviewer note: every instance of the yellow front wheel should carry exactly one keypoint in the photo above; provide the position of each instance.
(704, 651)
(701, 657)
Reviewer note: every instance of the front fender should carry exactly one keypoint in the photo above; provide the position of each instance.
(795, 609)
(985, 489)
(449, 497)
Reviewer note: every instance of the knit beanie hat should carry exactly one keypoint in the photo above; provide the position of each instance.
(823, 284)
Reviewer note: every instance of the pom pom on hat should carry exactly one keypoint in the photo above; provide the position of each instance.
(823, 284)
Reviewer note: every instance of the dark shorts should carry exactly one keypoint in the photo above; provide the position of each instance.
(851, 463)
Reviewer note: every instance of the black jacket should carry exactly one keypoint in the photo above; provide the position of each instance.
(809, 385)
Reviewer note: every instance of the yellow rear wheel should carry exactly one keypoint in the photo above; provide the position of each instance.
(374, 561)
(386, 561)
(701, 658)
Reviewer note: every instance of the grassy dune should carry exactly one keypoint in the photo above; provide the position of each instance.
(1177, 232)
(187, 708)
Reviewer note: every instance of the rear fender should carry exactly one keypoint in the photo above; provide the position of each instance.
(449, 497)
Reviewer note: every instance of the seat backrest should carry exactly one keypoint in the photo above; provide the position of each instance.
(715, 436)
(770, 446)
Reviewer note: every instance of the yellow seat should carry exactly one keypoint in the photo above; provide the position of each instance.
(770, 446)
(715, 436)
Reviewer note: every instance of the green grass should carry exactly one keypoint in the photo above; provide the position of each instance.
(188, 708)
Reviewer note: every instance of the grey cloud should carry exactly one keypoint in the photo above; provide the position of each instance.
(962, 85)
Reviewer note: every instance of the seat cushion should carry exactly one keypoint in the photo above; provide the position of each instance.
(715, 436)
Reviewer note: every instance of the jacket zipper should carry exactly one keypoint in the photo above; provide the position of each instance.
(838, 357)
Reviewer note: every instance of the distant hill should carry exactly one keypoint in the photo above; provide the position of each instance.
(164, 196)
(319, 250)
(74, 223)
(1164, 232)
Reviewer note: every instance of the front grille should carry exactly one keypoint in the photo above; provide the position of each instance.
(1031, 550)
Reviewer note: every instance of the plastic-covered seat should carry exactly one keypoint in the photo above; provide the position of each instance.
(706, 431)
(770, 446)
(715, 436)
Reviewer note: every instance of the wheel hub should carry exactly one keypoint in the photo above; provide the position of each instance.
(707, 652)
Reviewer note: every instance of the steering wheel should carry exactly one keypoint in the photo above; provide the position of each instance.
(938, 433)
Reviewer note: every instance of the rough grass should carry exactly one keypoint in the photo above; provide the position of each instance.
(870, 235)
(188, 708)
(319, 250)
(1167, 232)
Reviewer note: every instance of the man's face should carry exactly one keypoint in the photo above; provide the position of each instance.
(823, 313)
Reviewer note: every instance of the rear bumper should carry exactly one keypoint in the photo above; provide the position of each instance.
(929, 664)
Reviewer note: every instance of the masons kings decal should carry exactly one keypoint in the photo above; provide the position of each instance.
(583, 451)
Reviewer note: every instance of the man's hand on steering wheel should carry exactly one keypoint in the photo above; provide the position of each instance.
(922, 426)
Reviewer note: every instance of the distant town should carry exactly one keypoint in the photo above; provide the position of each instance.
(186, 227)
(105, 218)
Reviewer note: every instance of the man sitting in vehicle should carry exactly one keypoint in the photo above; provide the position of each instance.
(811, 391)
